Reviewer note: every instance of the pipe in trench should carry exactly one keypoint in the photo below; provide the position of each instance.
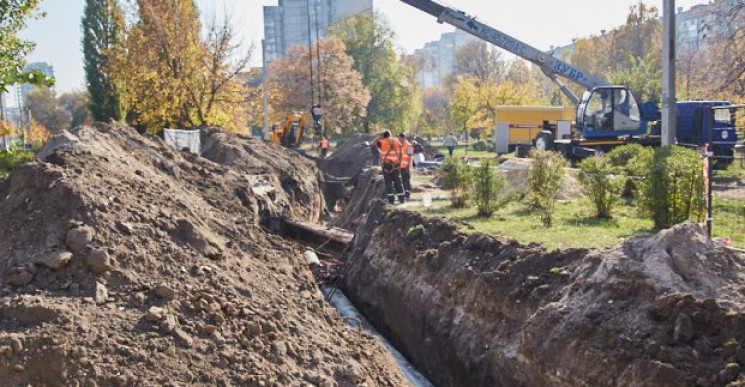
(348, 310)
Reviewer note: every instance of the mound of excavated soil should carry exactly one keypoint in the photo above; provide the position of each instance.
(124, 262)
(348, 159)
(368, 186)
(516, 172)
(663, 310)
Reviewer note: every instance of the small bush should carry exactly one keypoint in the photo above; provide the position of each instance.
(629, 161)
(602, 186)
(544, 180)
(10, 159)
(673, 189)
(489, 190)
(457, 179)
(483, 146)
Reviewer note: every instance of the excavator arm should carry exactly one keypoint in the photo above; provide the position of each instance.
(552, 67)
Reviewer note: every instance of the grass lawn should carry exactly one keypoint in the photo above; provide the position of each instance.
(573, 226)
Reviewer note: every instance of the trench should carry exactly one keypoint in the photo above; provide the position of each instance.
(332, 243)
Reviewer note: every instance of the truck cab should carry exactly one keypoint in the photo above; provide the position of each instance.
(696, 118)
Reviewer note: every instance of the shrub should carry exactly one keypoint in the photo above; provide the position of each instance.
(602, 186)
(9, 159)
(457, 180)
(673, 189)
(489, 190)
(621, 157)
(629, 160)
(483, 146)
(544, 181)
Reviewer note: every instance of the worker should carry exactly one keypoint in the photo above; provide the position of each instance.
(324, 146)
(451, 142)
(390, 159)
(407, 156)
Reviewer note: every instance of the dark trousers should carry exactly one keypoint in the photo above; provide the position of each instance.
(450, 150)
(392, 179)
(323, 153)
(406, 181)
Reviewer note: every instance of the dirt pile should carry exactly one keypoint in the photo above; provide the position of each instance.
(368, 186)
(350, 158)
(124, 262)
(516, 172)
(664, 310)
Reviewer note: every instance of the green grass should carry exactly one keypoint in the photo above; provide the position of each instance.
(573, 224)
(10, 159)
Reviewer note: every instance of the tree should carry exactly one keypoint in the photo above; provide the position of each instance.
(626, 53)
(13, 50)
(172, 77)
(464, 104)
(44, 109)
(77, 104)
(345, 98)
(103, 38)
(477, 60)
(394, 102)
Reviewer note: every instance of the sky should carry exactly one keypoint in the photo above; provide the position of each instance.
(540, 23)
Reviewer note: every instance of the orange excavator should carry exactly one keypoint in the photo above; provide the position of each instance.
(290, 134)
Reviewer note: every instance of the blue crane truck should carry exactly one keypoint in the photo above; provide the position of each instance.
(607, 115)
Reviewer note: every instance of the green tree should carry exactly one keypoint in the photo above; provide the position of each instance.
(77, 104)
(13, 50)
(395, 102)
(490, 191)
(42, 103)
(603, 188)
(544, 180)
(103, 37)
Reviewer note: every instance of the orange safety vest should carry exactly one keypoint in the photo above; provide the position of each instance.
(390, 151)
(405, 156)
(324, 144)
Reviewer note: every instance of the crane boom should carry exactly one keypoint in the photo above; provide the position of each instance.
(550, 65)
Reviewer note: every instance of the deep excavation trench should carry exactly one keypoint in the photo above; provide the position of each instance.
(476, 310)
(329, 244)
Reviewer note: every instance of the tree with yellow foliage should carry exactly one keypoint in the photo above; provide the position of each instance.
(172, 78)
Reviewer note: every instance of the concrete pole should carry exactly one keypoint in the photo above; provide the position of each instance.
(266, 96)
(668, 73)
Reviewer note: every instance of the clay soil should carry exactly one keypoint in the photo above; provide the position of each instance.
(124, 262)
(477, 310)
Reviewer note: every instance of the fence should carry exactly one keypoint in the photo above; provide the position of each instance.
(726, 193)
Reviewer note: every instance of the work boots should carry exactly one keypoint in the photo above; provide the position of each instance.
(401, 198)
(391, 199)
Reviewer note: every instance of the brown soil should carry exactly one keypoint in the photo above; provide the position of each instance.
(124, 262)
(516, 172)
(664, 310)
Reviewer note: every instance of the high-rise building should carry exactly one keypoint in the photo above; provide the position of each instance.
(438, 58)
(298, 22)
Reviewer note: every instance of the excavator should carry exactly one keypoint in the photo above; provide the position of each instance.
(607, 115)
(290, 133)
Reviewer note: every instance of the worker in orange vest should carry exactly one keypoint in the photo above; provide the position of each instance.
(407, 155)
(324, 146)
(390, 159)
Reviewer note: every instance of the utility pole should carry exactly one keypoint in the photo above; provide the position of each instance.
(668, 73)
(265, 81)
(310, 58)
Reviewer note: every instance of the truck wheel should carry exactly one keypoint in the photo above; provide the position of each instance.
(544, 141)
